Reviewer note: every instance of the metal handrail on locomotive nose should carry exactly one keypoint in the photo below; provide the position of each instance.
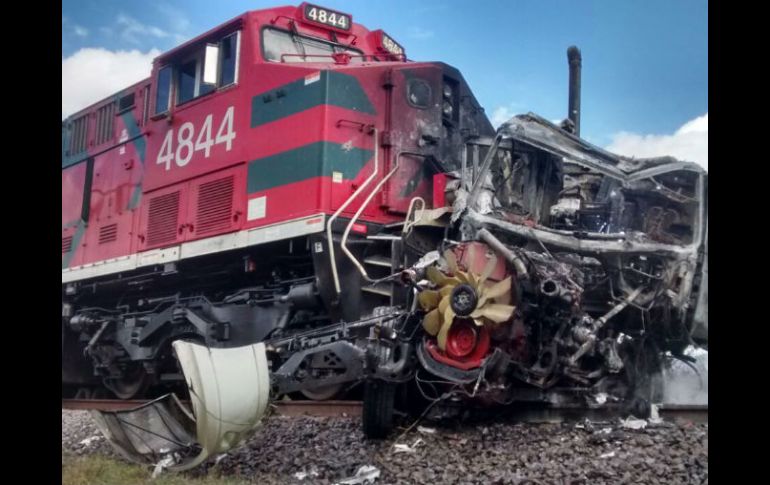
(343, 242)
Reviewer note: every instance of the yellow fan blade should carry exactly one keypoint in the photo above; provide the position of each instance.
(505, 299)
(463, 277)
(438, 278)
(449, 316)
(451, 261)
(495, 312)
(446, 290)
(443, 304)
(499, 289)
(428, 299)
(488, 269)
(435, 276)
(473, 281)
(452, 281)
(432, 322)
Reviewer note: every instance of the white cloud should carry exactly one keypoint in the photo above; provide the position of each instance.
(68, 25)
(690, 142)
(501, 114)
(179, 22)
(135, 32)
(90, 75)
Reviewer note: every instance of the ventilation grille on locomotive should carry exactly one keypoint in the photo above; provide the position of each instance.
(163, 219)
(66, 244)
(105, 119)
(108, 234)
(215, 205)
(78, 135)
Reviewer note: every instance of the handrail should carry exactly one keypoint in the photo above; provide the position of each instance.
(343, 242)
(407, 224)
(344, 205)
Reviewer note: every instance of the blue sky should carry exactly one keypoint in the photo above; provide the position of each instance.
(645, 63)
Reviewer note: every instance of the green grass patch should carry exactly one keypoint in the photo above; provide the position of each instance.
(100, 470)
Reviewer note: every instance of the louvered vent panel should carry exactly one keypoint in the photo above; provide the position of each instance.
(163, 219)
(108, 234)
(215, 205)
(66, 244)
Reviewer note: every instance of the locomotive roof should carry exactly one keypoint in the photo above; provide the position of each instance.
(232, 24)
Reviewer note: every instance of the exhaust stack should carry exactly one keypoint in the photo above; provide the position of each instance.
(575, 65)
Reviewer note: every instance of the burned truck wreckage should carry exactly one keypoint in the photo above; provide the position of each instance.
(435, 262)
(559, 271)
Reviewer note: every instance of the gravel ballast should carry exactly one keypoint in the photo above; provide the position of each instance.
(325, 450)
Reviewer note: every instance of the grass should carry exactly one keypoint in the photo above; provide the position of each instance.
(100, 470)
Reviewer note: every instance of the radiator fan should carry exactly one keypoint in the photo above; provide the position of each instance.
(464, 294)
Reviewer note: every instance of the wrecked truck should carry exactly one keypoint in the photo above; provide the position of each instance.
(558, 272)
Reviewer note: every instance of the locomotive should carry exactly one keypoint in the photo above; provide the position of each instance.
(289, 205)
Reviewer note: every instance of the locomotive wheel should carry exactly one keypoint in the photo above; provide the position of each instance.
(322, 393)
(377, 413)
(135, 381)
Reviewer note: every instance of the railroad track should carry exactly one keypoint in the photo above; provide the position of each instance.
(698, 413)
(672, 412)
(285, 408)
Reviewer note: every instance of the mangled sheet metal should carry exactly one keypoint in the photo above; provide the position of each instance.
(229, 390)
(605, 269)
(541, 133)
(150, 432)
(655, 206)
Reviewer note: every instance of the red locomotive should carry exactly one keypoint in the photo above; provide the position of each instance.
(245, 150)
(291, 178)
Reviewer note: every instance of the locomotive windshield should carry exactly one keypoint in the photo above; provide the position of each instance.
(283, 46)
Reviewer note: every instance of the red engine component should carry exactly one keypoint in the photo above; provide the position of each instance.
(466, 345)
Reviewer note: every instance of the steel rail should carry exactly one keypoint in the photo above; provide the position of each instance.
(284, 408)
(671, 412)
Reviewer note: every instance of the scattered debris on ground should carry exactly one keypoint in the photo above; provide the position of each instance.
(331, 450)
(365, 475)
(402, 448)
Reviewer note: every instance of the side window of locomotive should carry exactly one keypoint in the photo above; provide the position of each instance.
(418, 93)
(190, 82)
(185, 81)
(163, 93)
(228, 58)
(213, 66)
